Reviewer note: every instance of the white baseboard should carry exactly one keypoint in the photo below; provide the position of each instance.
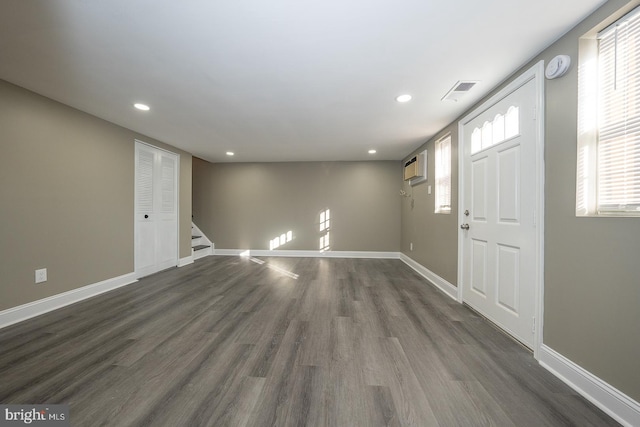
(201, 253)
(307, 254)
(185, 261)
(36, 308)
(438, 281)
(616, 404)
(231, 252)
(327, 254)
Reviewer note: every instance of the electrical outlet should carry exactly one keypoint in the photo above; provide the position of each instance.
(429, 189)
(410, 246)
(41, 275)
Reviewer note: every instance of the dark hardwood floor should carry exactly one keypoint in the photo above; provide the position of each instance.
(231, 341)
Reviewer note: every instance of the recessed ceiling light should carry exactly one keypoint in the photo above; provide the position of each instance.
(142, 107)
(372, 151)
(403, 98)
(230, 153)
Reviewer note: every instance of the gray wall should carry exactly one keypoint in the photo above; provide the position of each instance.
(592, 268)
(434, 236)
(592, 273)
(245, 205)
(66, 197)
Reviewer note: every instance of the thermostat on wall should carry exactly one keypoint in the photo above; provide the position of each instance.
(557, 67)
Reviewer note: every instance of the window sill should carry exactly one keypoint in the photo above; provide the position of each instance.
(609, 215)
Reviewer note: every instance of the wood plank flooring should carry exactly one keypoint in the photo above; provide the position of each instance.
(236, 341)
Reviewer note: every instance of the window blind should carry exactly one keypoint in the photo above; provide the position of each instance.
(443, 175)
(618, 154)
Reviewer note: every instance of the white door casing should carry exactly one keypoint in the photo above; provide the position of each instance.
(500, 261)
(156, 209)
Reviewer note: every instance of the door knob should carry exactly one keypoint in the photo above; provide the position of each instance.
(146, 216)
(465, 226)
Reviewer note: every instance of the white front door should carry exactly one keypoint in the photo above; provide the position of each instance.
(156, 204)
(499, 210)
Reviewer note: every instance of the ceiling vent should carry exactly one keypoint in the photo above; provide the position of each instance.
(459, 89)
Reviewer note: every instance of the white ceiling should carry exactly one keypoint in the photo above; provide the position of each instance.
(277, 80)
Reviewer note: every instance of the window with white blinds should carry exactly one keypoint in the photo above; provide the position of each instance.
(618, 117)
(443, 175)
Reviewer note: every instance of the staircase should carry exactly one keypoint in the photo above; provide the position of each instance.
(201, 246)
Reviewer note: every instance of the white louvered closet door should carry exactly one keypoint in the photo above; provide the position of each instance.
(156, 217)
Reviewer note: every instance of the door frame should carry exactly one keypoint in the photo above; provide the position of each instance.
(137, 143)
(536, 73)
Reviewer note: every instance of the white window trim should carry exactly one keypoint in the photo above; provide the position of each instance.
(440, 209)
(587, 141)
(586, 201)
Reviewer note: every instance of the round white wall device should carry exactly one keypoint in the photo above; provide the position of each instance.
(557, 67)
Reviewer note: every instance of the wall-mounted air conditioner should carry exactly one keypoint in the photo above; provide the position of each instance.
(415, 169)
